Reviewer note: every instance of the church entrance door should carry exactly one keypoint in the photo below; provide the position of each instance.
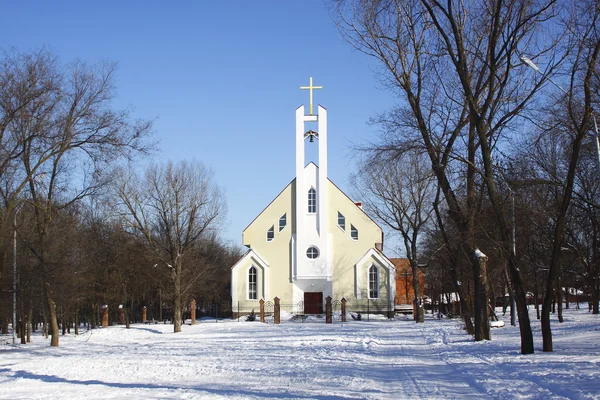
(313, 302)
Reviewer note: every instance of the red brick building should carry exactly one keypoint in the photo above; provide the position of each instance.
(405, 292)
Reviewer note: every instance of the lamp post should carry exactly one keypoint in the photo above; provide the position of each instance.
(525, 60)
(513, 240)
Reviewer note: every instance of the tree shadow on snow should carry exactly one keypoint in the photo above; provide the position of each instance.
(213, 391)
(148, 330)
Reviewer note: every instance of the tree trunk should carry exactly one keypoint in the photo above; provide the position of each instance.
(546, 330)
(51, 307)
(160, 305)
(482, 322)
(127, 326)
(177, 295)
(559, 299)
(94, 318)
(594, 269)
(511, 297)
(521, 302)
(22, 321)
(419, 313)
(595, 295)
(77, 322)
(29, 324)
(23, 330)
(505, 289)
(464, 309)
(492, 302)
(536, 294)
(45, 324)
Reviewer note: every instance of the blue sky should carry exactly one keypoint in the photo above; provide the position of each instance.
(220, 79)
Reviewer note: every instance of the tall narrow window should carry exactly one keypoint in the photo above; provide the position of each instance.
(282, 222)
(373, 282)
(353, 232)
(271, 234)
(341, 221)
(252, 292)
(312, 200)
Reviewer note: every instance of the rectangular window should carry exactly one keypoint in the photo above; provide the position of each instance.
(282, 222)
(271, 234)
(341, 221)
(353, 232)
(312, 201)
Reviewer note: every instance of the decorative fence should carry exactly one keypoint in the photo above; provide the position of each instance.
(327, 312)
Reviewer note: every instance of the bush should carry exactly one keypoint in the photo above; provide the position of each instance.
(251, 316)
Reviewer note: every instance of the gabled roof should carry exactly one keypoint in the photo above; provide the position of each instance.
(251, 253)
(268, 205)
(373, 252)
(341, 191)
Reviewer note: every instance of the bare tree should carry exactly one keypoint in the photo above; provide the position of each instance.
(454, 66)
(568, 125)
(583, 232)
(401, 193)
(583, 71)
(62, 141)
(173, 206)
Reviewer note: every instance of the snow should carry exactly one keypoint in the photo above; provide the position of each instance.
(375, 359)
(445, 297)
(479, 254)
(497, 324)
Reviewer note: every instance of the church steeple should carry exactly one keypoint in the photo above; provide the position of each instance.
(311, 192)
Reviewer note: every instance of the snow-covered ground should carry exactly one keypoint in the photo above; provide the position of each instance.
(354, 360)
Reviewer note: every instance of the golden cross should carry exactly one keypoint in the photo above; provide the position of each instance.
(310, 88)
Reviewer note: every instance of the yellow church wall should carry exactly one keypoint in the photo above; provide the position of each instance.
(346, 251)
(277, 251)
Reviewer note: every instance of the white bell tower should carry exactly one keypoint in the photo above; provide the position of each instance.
(312, 257)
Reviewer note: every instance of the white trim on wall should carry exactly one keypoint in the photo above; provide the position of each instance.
(385, 263)
(256, 260)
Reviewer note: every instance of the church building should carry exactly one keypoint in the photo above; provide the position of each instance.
(312, 240)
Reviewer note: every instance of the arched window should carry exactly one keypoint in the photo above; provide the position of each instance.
(353, 232)
(341, 221)
(282, 222)
(373, 282)
(252, 292)
(312, 200)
